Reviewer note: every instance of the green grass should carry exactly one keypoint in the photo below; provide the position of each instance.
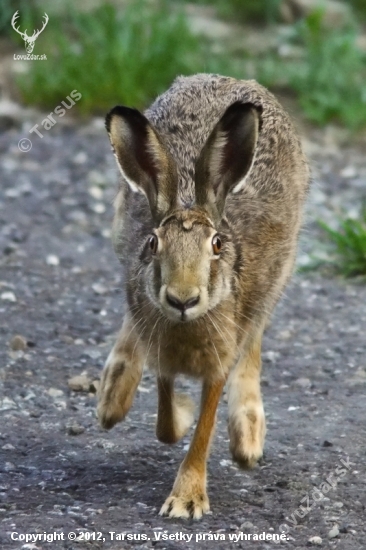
(30, 15)
(329, 78)
(359, 7)
(113, 56)
(349, 245)
(251, 11)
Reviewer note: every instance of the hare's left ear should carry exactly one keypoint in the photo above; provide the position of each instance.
(227, 156)
(145, 163)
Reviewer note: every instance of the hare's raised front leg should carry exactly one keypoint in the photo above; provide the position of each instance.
(188, 497)
(120, 377)
(247, 426)
(175, 412)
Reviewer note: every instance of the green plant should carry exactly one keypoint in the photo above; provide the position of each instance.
(333, 84)
(6, 14)
(329, 77)
(349, 245)
(29, 12)
(113, 56)
(360, 8)
(257, 11)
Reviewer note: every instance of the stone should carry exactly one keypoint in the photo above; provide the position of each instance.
(80, 158)
(54, 392)
(246, 525)
(303, 382)
(75, 429)
(93, 353)
(7, 404)
(271, 356)
(349, 172)
(52, 259)
(317, 541)
(79, 342)
(8, 296)
(8, 447)
(79, 383)
(96, 179)
(98, 208)
(99, 288)
(334, 532)
(285, 335)
(18, 343)
(96, 192)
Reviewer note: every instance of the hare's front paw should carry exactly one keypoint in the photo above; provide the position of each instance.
(247, 430)
(186, 506)
(118, 385)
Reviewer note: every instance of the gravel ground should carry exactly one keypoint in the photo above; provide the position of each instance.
(60, 291)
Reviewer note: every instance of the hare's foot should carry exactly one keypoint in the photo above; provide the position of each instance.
(120, 378)
(247, 429)
(247, 426)
(175, 413)
(188, 498)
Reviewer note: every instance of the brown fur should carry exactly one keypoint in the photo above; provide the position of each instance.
(175, 412)
(212, 156)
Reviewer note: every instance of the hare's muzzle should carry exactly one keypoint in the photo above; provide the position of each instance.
(179, 303)
(182, 306)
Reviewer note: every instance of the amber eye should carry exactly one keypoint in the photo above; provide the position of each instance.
(216, 244)
(153, 244)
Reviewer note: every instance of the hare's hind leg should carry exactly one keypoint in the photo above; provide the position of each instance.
(188, 497)
(247, 425)
(120, 377)
(175, 412)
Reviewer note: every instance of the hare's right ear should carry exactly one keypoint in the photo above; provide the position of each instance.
(227, 156)
(144, 161)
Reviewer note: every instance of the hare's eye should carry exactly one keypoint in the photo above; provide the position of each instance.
(216, 244)
(153, 244)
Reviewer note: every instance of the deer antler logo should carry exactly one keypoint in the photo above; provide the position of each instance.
(29, 40)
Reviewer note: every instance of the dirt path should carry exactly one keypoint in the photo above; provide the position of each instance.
(60, 289)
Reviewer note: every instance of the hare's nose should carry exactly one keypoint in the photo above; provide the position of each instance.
(176, 302)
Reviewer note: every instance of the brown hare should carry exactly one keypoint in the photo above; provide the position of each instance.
(206, 225)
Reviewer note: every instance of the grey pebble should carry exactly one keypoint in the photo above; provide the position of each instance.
(334, 532)
(18, 343)
(246, 525)
(317, 541)
(75, 429)
(79, 383)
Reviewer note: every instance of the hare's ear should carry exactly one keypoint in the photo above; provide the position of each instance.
(144, 161)
(227, 156)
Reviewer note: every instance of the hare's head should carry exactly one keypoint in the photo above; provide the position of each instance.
(190, 254)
